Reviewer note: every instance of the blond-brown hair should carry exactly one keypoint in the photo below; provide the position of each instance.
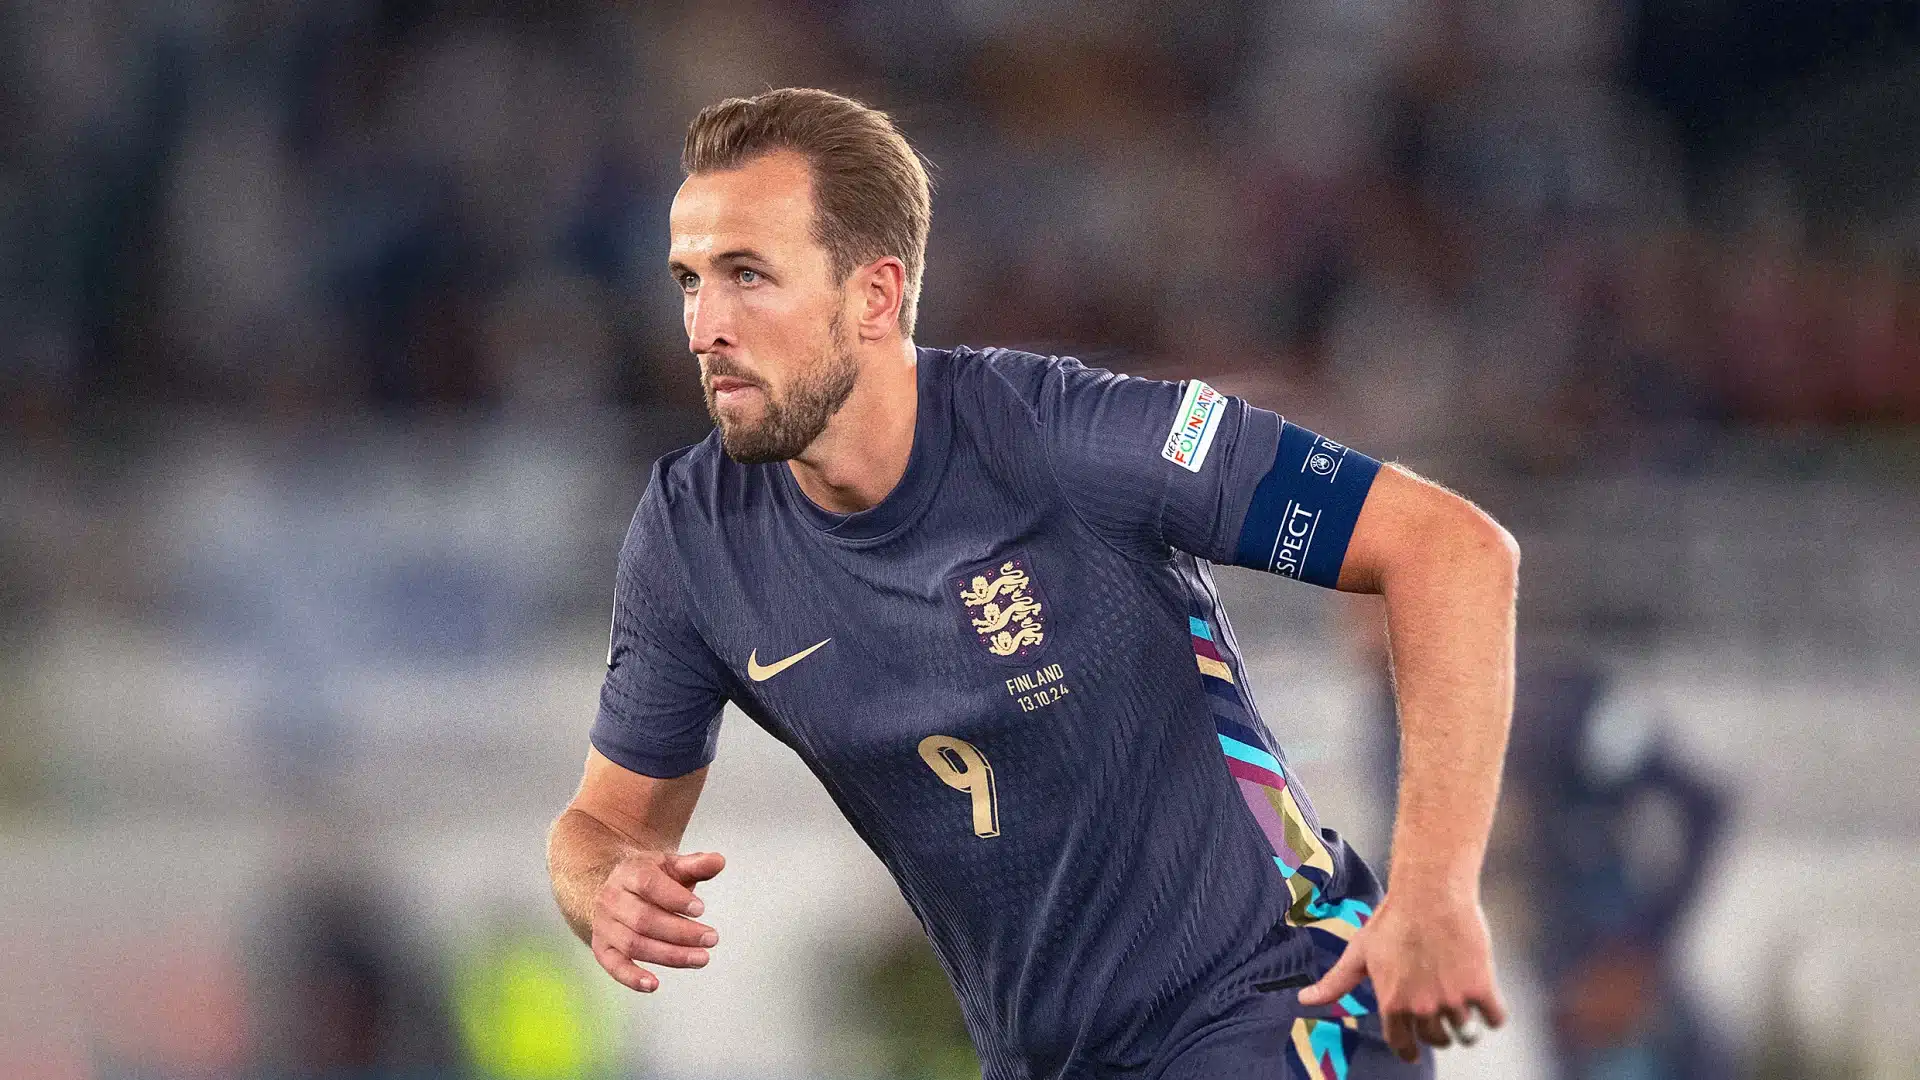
(871, 196)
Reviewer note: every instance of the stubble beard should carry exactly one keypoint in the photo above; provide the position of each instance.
(787, 427)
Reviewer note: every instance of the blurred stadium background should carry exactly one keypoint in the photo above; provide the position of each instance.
(338, 347)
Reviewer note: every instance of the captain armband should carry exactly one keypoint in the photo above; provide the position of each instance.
(1305, 508)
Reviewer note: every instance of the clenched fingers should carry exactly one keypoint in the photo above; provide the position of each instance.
(643, 914)
(645, 950)
(657, 888)
(620, 952)
(1408, 1027)
(1458, 1023)
(1432, 1030)
(1398, 1027)
(623, 969)
(1442, 1026)
(695, 867)
(675, 930)
(1491, 1007)
(649, 920)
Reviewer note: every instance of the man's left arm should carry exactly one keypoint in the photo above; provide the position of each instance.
(1181, 465)
(1448, 573)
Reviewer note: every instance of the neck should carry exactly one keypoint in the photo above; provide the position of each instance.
(863, 452)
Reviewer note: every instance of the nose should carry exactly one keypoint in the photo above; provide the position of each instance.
(709, 323)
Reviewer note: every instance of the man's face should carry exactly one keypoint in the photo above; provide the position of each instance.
(761, 308)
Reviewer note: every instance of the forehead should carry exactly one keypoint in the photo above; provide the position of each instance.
(767, 203)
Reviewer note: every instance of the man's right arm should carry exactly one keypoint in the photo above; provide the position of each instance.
(619, 878)
(613, 853)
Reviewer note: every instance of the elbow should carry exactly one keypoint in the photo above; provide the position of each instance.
(1475, 539)
(555, 842)
(1495, 548)
(1505, 548)
(1416, 530)
(1454, 548)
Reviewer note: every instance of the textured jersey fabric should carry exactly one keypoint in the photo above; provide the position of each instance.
(1019, 686)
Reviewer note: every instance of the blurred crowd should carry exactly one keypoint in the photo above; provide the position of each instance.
(1423, 218)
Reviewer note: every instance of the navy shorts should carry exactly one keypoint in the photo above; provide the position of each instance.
(1273, 1037)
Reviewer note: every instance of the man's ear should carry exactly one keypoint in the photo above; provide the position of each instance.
(882, 286)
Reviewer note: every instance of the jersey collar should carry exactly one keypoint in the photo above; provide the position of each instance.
(932, 434)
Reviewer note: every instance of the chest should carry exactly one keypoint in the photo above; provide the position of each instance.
(984, 628)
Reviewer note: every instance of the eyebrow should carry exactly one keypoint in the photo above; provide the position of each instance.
(675, 266)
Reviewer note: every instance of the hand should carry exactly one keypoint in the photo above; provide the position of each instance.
(644, 914)
(1428, 965)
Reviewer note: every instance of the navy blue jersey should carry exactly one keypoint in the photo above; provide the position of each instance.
(1015, 679)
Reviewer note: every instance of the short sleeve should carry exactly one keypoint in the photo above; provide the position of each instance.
(660, 704)
(1155, 465)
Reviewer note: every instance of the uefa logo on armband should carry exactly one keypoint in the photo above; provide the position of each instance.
(1325, 458)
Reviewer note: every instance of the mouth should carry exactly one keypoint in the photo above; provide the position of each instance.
(728, 388)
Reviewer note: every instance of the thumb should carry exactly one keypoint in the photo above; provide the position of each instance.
(1347, 973)
(693, 867)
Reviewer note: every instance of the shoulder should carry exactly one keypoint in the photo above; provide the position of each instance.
(678, 514)
(680, 476)
(695, 486)
(1073, 402)
(1025, 376)
(1042, 386)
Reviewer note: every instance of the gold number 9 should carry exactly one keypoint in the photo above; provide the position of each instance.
(962, 767)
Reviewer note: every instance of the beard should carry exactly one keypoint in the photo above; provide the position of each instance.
(790, 424)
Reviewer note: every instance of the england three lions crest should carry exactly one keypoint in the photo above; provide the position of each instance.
(1004, 607)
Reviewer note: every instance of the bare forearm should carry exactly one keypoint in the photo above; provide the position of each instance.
(581, 852)
(616, 815)
(1448, 573)
(1450, 624)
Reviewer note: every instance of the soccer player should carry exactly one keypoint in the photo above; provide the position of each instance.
(971, 590)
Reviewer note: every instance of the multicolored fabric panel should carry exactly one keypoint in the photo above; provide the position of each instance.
(1320, 1049)
(1277, 808)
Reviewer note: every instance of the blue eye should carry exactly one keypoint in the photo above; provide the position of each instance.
(748, 277)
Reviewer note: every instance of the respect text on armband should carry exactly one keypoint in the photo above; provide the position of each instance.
(1294, 540)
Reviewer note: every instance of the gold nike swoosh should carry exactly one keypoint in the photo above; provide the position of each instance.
(759, 673)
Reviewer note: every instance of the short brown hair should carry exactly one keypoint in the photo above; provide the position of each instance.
(871, 196)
